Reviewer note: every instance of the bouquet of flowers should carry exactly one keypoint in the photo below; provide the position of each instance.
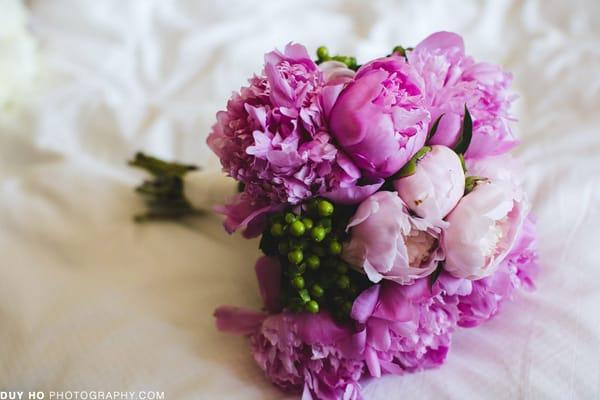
(388, 211)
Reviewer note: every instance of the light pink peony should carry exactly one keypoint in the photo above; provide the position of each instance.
(453, 79)
(436, 186)
(379, 119)
(387, 243)
(481, 300)
(482, 229)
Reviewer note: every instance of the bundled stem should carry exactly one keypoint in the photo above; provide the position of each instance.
(163, 193)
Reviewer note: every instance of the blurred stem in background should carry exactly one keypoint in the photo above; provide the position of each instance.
(163, 193)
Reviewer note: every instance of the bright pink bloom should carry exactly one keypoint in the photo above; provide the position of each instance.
(405, 328)
(379, 119)
(300, 352)
(453, 79)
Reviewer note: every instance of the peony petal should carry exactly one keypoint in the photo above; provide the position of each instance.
(365, 304)
(241, 321)
(372, 362)
(441, 40)
(379, 334)
(354, 194)
(268, 274)
(393, 304)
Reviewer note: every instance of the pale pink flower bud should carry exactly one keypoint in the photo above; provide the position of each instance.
(436, 186)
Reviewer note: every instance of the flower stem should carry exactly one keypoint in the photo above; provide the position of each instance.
(163, 193)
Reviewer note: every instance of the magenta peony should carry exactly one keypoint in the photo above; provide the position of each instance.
(452, 80)
(387, 243)
(436, 186)
(302, 352)
(405, 328)
(379, 119)
(273, 136)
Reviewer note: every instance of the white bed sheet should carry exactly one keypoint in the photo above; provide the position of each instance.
(91, 301)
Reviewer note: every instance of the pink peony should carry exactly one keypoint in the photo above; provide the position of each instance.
(405, 328)
(379, 119)
(452, 80)
(517, 270)
(387, 243)
(273, 135)
(307, 353)
(301, 352)
(436, 186)
(482, 229)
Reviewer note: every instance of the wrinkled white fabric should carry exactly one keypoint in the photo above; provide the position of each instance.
(90, 300)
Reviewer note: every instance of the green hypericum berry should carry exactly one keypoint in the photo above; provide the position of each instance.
(290, 217)
(341, 267)
(298, 282)
(295, 256)
(308, 223)
(283, 247)
(324, 208)
(335, 247)
(297, 228)
(318, 233)
(312, 307)
(317, 290)
(343, 282)
(313, 262)
(277, 229)
(352, 63)
(322, 53)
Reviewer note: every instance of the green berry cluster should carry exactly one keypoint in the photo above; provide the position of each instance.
(323, 55)
(308, 241)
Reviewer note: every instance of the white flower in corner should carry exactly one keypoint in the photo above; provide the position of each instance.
(18, 57)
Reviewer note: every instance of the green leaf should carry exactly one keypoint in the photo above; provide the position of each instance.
(466, 133)
(462, 163)
(411, 166)
(472, 181)
(434, 128)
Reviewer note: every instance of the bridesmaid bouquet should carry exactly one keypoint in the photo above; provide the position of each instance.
(388, 211)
